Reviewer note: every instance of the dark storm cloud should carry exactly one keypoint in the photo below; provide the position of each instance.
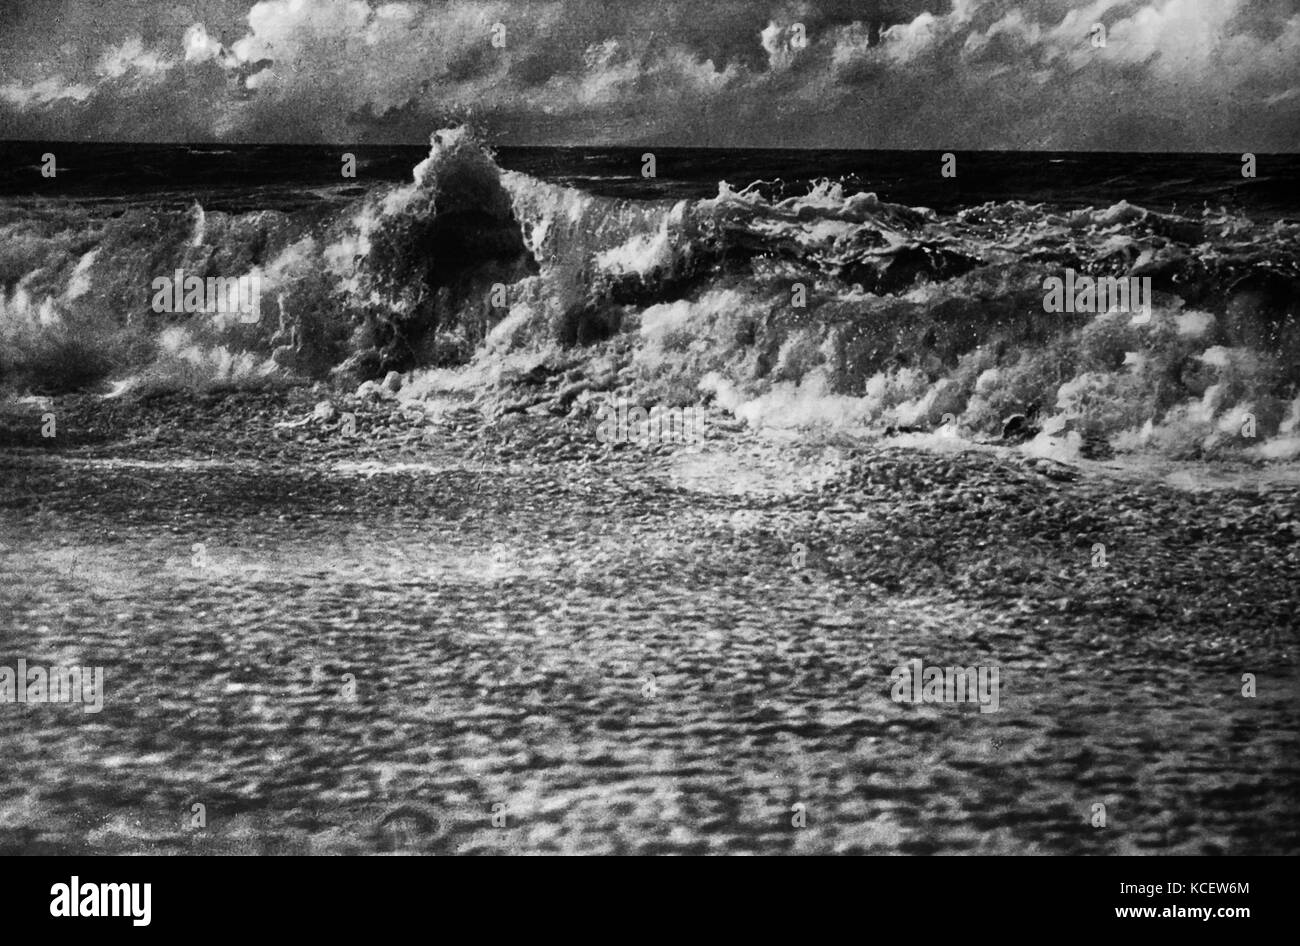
(1176, 74)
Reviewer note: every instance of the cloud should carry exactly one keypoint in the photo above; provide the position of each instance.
(199, 46)
(1173, 74)
(132, 58)
(44, 93)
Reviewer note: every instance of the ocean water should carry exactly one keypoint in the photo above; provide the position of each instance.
(663, 649)
(1065, 178)
(859, 290)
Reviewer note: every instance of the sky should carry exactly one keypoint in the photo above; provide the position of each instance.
(1118, 75)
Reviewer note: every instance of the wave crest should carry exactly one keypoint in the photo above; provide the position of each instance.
(828, 306)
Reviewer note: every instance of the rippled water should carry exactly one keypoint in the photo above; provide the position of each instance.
(626, 662)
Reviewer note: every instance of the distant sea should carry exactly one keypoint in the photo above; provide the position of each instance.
(243, 177)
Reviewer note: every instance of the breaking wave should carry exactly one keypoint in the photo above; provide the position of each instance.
(830, 308)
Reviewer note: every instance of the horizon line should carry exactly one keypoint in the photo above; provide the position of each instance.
(674, 147)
